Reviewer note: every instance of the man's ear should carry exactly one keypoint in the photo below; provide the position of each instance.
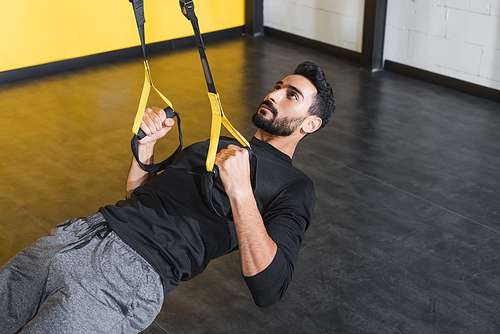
(311, 124)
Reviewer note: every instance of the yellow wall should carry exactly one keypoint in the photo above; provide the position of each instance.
(34, 32)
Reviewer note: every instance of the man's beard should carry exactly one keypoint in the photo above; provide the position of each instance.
(282, 127)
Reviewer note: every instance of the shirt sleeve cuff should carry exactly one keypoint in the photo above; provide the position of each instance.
(269, 286)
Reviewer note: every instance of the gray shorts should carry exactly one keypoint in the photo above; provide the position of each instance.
(68, 282)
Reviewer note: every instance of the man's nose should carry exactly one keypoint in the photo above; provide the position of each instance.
(274, 96)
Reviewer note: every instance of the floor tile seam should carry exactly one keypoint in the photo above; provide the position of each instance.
(23, 209)
(159, 325)
(410, 194)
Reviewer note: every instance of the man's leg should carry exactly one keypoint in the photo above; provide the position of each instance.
(22, 279)
(103, 287)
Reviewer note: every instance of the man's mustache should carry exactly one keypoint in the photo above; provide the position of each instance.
(270, 105)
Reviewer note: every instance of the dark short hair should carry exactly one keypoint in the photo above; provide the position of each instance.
(323, 105)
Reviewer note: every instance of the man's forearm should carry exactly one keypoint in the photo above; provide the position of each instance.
(136, 175)
(257, 249)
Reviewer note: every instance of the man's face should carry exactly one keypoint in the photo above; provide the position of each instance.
(283, 110)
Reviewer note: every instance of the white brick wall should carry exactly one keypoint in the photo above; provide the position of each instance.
(335, 22)
(456, 38)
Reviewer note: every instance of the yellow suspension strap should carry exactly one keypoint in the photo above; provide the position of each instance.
(218, 117)
(148, 83)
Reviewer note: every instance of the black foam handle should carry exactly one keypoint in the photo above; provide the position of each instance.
(170, 114)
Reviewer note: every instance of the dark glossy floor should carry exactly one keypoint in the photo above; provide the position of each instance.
(406, 230)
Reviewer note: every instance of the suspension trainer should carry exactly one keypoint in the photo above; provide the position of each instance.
(218, 117)
(148, 83)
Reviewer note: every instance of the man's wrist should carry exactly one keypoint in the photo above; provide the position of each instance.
(241, 196)
(146, 152)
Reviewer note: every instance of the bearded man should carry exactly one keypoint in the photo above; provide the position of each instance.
(110, 272)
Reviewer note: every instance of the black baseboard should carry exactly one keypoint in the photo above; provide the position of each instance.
(438, 79)
(315, 45)
(113, 56)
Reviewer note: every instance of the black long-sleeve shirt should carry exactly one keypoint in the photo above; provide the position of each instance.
(170, 222)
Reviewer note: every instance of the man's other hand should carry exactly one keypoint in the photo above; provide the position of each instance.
(234, 169)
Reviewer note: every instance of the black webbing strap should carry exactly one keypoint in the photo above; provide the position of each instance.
(187, 8)
(140, 20)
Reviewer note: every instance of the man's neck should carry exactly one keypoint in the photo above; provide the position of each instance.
(286, 144)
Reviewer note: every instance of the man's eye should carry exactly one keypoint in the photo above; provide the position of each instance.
(277, 87)
(293, 95)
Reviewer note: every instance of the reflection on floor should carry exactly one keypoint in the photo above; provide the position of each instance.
(405, 236)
